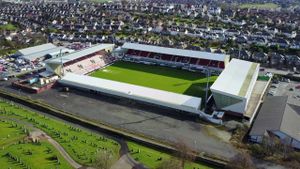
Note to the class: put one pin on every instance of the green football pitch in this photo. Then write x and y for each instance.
(157, 77)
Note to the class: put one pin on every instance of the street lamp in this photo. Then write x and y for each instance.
(208, 73)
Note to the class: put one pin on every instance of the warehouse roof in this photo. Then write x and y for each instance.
(81, 53)
(36, 49)
(277, 114)
(235, 78)
(52, 52)
(176, 52)
(159, 97)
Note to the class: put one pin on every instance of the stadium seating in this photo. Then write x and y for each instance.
(175, 59)
(88, 63)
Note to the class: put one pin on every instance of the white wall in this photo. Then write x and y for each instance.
(238, 107)
(252, 84)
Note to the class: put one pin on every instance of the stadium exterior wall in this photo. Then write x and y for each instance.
(225, 101)
(252, 84)
(233, 102)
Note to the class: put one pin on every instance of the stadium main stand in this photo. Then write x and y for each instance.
(177, 57)
(83, 61)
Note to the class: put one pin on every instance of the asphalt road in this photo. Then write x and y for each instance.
(146, 120)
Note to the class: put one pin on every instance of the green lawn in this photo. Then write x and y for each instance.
(81, 145)
(150, 157)
(259, 6)
(158, 77)
(8, 27)
(9, 133)
(40, 155)
(13, 148)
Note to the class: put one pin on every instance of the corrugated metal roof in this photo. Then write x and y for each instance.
(52, 51)
(36, 49)
(277, 114)
(269, 116)
(176, 52)
(81, 53)
(291, 121)
(235, 78)
(159, 97)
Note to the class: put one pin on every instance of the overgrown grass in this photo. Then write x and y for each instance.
(81, 145)
(152, 158)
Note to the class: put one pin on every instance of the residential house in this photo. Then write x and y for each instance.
(240, 54)
(232, 32)
(295, 45)
(260, 57)
(282, 43)
(241, 39)
(292, 60)
(289, 34)
(276, 59)
(257, 41)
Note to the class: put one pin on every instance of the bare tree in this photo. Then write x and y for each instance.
(184, 153)
(241, 161)
(104, 160)
(172, 163)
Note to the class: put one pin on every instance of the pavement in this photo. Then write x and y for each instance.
(284, 89)
(163, 125)
(125, 162)
(279, 72)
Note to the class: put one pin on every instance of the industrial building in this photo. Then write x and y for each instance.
(277, 117)
(42, 52)
(232, 89)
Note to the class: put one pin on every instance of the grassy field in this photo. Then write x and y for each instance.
(152, 158)
(8, 27)
(81, 145)
(9, 134)
(15, 153)
(158, 77)
(259, 6)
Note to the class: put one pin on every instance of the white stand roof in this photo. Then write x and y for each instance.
(154, 96)
(236, 78)
(80, 53)
(176, 52)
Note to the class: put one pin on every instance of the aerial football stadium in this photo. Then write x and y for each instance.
(167, 77)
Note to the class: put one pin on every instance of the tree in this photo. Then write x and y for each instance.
(241, 161)
(104, 160)
(184, 153)
(172, 163)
